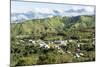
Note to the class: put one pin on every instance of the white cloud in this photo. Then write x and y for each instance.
(43, 10)
(90, 9)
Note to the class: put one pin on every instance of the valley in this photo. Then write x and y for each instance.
(53, 40)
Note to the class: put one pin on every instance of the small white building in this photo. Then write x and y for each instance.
(69, 52)
(81, 54)
(47, 46)
(43, 44)
(57, 47)
(78, 45)
(32, 41)
(61, 42)
(77, 55)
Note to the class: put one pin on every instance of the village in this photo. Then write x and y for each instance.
(59, 44)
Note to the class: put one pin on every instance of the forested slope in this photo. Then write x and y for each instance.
(77, 33)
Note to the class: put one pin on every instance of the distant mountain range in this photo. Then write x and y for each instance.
(19, 17)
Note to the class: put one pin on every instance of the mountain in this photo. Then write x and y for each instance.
(76, 11)
(20, 17)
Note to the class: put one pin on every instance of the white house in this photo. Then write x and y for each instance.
(41, 44)
(47, 46)
(69, 52)
(61, 42)
(57, 47)
(32, 41)
(81, 54)
(78, 45)
(77, 55)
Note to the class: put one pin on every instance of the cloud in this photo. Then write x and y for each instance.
(43, 10)
(90, 9)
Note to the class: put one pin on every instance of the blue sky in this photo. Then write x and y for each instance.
(20, 7)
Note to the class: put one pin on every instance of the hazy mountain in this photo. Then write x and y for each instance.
(19, 17)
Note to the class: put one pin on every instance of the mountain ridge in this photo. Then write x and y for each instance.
(19, 17)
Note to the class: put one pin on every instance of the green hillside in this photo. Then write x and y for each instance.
(76, 34)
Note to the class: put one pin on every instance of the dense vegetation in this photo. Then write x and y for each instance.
(75, 34)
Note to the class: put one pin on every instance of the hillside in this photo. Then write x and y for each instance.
(53, 40)
(54, 26)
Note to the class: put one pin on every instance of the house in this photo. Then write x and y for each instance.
(32, 41)
(44, 45)
(57, 42)
(60, 42)
(50, 42)
(69, 52)
(47, 46)
(77, 55)
(81, 54)
(78, 45)
(63, 42)
(41, 44)
(57, 47)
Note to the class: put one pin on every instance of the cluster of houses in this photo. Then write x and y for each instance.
(57, 43)
(47, 44)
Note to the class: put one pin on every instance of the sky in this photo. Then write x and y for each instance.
(21, 7)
